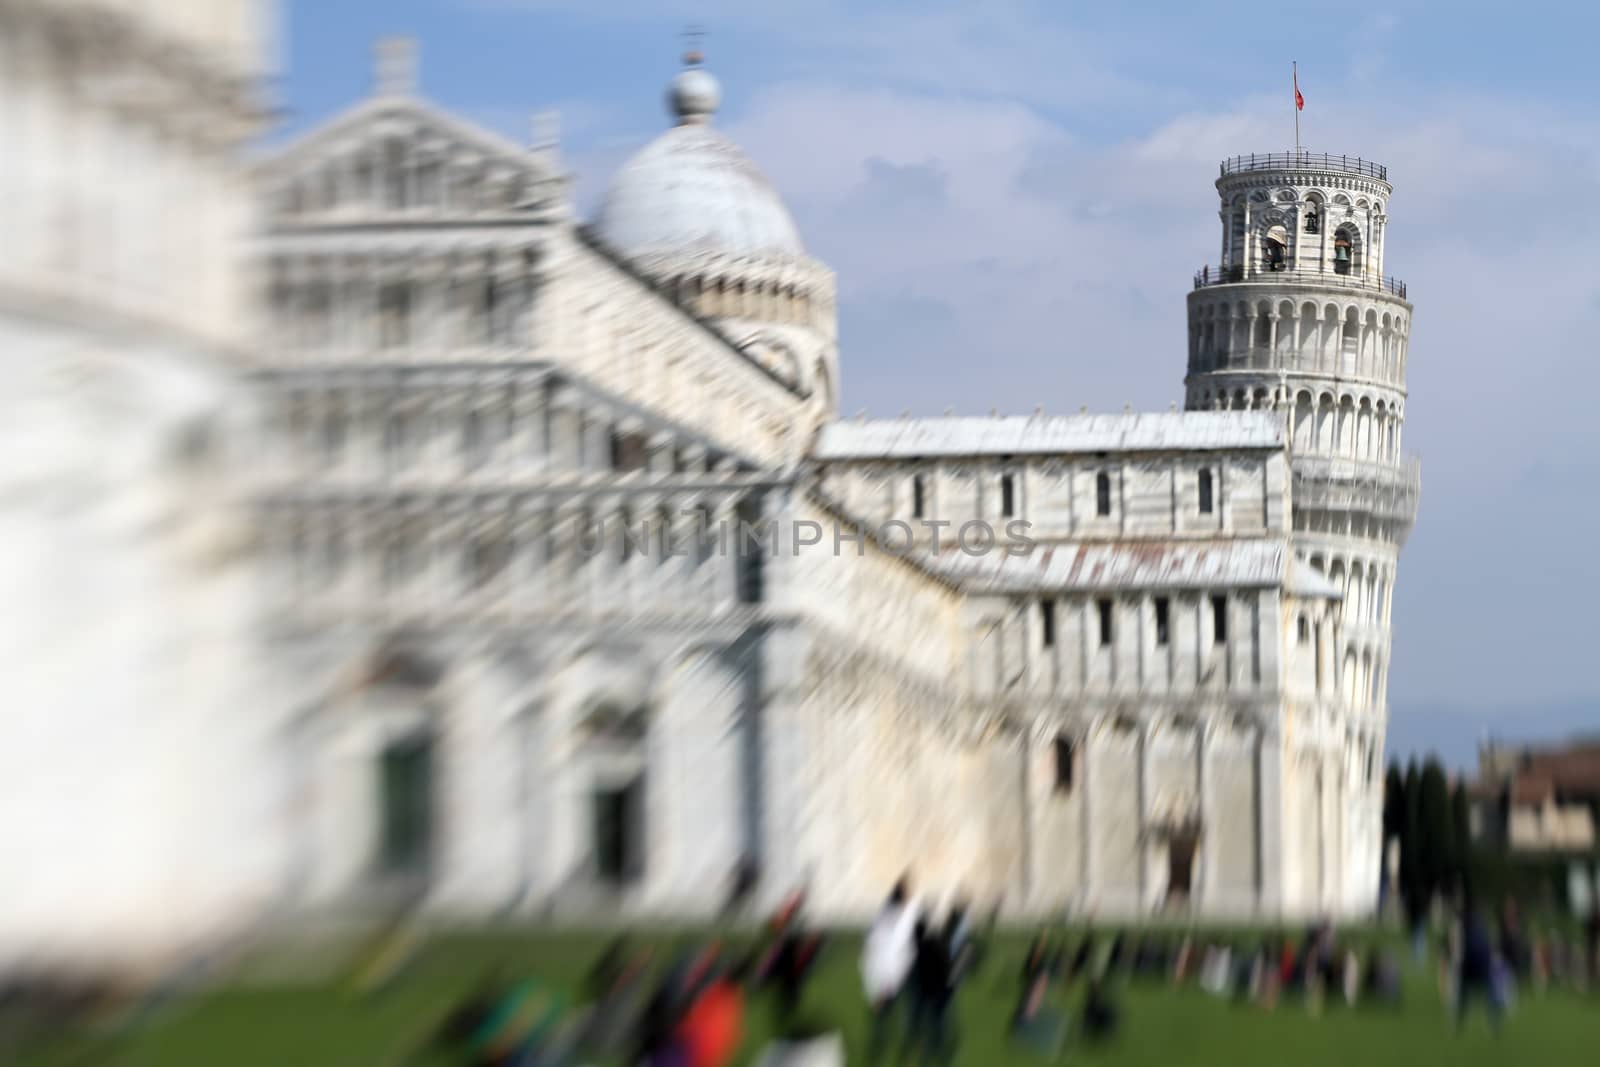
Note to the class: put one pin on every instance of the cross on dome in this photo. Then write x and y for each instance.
(694, 94)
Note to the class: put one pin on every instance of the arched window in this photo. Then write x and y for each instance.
(1343, 252)
(1102, 493)
(1205, 491)
(1274, 249)
(1313, 220)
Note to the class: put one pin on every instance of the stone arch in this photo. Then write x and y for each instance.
(1350, 335)
(1345, 443)
(1327, 419)
(822, 386)
(1304, 420)
(1364, 432)
(1347, 249)
(1307, 340)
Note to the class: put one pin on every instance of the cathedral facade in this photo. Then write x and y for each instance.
(571, 594)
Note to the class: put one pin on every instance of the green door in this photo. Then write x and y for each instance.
(406, 803)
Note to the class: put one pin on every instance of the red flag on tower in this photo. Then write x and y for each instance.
(1299, 101)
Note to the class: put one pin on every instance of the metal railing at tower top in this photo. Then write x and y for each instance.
(1308, 160)
(1207, 276)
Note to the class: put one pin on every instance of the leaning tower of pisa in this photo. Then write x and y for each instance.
(1299, 316)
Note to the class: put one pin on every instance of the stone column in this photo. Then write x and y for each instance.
(1204, 879)
(1269, 823)
(1143, 751)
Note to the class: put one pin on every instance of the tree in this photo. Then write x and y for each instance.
(1461, 830)
(1413, 885)
(1437, 848)
(1394, 804)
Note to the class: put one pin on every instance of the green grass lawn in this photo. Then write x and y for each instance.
(325, 1024)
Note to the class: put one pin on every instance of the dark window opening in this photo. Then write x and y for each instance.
(1313, 221)
(1341, 253)
(394, 315)
(751, 558)
(472, 438)
(1047, 622)
(1205, 491)
(333, 436)
(405, 784)
(1219, 618)
(918, 501)
(1066, 755)
(1104, 607)
(618, 824)
(1102, 494)
(1274, 254)
(629, 452)
(1305, 630)
(1163, 624)
(1008, 496)
(1317, 655)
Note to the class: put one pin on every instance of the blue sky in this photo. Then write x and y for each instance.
(1015, 196)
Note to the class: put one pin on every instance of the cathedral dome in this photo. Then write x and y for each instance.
(692, 190)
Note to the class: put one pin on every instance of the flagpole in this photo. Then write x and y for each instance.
(1295, 100)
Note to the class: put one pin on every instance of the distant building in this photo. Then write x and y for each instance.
(1538, 800)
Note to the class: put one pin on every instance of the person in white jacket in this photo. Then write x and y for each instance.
(886, 960)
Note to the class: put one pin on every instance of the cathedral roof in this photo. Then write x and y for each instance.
(692, 190)
(1039, 435)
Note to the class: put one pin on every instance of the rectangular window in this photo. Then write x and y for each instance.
(488, 311)
(918, 502)
(1205, 492)
(1305, 630)
(394, 315)
(1008, 496)
(1047, 622)
(1066, 756)
(1104, 607)
(1316, 652)
(1163, 614)
(333, 437)
(1102, 494)
(1219, 618)
(629, 452)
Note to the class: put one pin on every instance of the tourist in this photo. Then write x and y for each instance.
(1100, 1015)
(928, 1036)
(1474, 970)
(1513, 943)
(788, 962)
(743, 882)
(1083, 959)
(886, 961)
(713, 1024)
(1034, 1022)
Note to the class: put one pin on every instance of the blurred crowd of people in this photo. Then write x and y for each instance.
(686, 1009)
(693, 1008)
